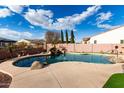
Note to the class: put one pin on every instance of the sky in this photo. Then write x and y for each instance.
(32, 21)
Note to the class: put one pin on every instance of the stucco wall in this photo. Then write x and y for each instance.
(90, 47)
(110, 37)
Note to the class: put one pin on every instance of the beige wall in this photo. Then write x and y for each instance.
(90, 47)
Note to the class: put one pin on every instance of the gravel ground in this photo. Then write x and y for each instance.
(5, 80)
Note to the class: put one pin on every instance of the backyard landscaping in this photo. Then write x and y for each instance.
(115, 81)
(5, 80)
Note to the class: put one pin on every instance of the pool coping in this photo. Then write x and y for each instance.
(39, 55)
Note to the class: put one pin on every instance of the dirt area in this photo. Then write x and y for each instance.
(5, 80)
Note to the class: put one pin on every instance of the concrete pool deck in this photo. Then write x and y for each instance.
(61, 75)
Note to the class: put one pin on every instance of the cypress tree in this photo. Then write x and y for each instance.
(66, 37)
(62, 37)
(72, 37)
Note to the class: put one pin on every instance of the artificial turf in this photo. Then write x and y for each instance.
(115, 81)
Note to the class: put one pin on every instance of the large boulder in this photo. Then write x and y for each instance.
(36, 65)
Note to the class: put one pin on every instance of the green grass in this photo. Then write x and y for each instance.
(115, 81)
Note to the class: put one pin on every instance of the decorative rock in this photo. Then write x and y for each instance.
(5, 80)
(120, 60)
(36, 65)
(114, 59)
(45, 63)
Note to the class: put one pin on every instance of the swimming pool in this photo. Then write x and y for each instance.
(89, 58)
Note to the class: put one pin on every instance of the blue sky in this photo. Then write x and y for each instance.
(32, 21)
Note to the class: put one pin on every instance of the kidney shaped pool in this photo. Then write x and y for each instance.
(89, 58)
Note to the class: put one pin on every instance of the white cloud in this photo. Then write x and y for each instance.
(11, 34)
(32, 27)
(70, 22)
(43, 18)
(4, 12)
(107, 26)
(102, 17)
(39, 17)
(20, 23)
(16, 8)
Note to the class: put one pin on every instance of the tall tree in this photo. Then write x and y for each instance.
(66, 36)
(62, 37)
(52, 37)
(72, 37)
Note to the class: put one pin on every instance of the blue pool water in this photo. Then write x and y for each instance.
(100, 59)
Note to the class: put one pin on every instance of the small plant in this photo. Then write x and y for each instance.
(116, 47)
(101, 52)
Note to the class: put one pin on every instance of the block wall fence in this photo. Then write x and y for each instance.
(89, 47)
